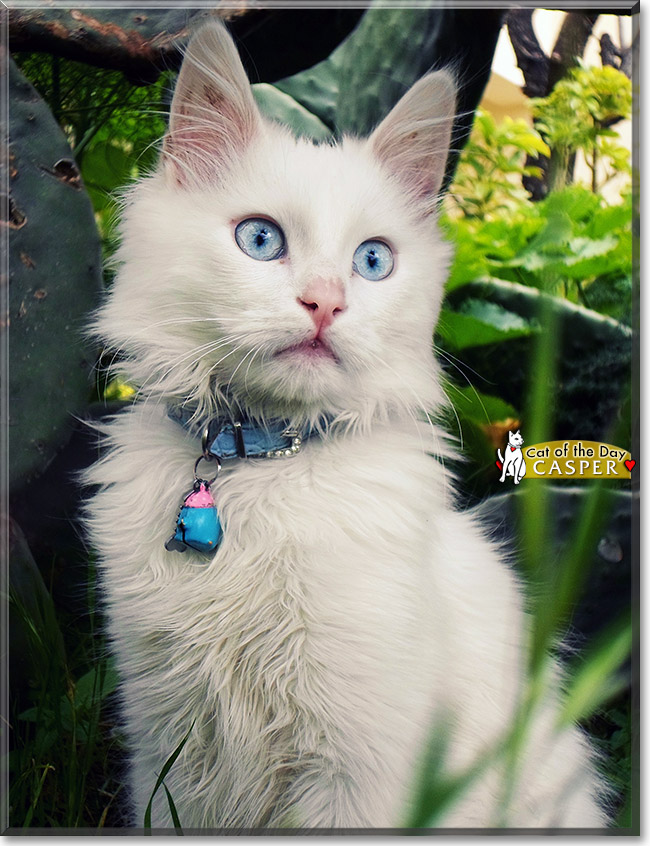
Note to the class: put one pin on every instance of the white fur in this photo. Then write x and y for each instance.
(349, 610)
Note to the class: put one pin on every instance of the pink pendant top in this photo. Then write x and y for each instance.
(199, 499)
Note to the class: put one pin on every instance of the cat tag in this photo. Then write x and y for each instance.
(198, 525)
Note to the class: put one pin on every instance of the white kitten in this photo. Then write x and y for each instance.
(348, 607)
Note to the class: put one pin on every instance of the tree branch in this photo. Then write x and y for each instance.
(144, 43)
(531, 59)
(570, 44)
(141, 45)
(619, 58)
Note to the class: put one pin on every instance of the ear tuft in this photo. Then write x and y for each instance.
(213, 113)
(413, 139)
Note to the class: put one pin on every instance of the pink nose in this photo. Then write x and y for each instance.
(323, 299)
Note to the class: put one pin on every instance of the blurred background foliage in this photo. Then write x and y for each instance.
(535, 332)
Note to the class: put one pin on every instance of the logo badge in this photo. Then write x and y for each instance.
(512, 463)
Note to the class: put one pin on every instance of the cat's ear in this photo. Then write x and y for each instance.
(413, 139)
(213, 114)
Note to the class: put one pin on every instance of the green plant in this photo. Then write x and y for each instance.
(573, 245)
(578, 115)
(62, 765)
(487, 183)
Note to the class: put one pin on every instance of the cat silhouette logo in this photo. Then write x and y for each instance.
(513, 464)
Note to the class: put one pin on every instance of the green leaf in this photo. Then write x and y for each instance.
(173, 811)
(557, 592)
(594, 681)
(169, 763)
(106, 164)
(90, 690)
(95, 685)
(32, 715)
(480, 407)
(436, 789)
(608, 219)
(575, 201)
(480, 323)
(558, 230)
(37, 795)
(587, 247)
(468, 263)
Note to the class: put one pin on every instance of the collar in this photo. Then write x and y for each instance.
(226, 438)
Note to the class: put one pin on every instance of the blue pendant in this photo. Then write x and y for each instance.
(198, 525)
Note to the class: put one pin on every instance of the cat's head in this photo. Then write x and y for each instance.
(515, 439)
(298, 279)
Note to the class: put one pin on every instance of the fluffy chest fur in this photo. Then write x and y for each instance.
(314, 616)
(340, 531)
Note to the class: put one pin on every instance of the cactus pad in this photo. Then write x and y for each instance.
(54, 281)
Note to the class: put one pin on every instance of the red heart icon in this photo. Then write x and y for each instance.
(512, 449)
(629, 464)
(498, 464)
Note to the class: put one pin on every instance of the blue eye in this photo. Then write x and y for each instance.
(260, 239)
(373, 260)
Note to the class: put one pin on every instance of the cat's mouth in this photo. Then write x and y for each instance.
(313, 348)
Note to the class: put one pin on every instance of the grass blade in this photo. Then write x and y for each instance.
(169, 763)
(37, 796)
(562, 588)
(435, 789)
(172, 811)
(594, 681)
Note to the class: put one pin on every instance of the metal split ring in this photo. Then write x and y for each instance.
(209, 457)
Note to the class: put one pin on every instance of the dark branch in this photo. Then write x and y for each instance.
(144, 43)
(531, 59)
(609, 52)
(139, 44)
(570, 45)
(615, 57)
